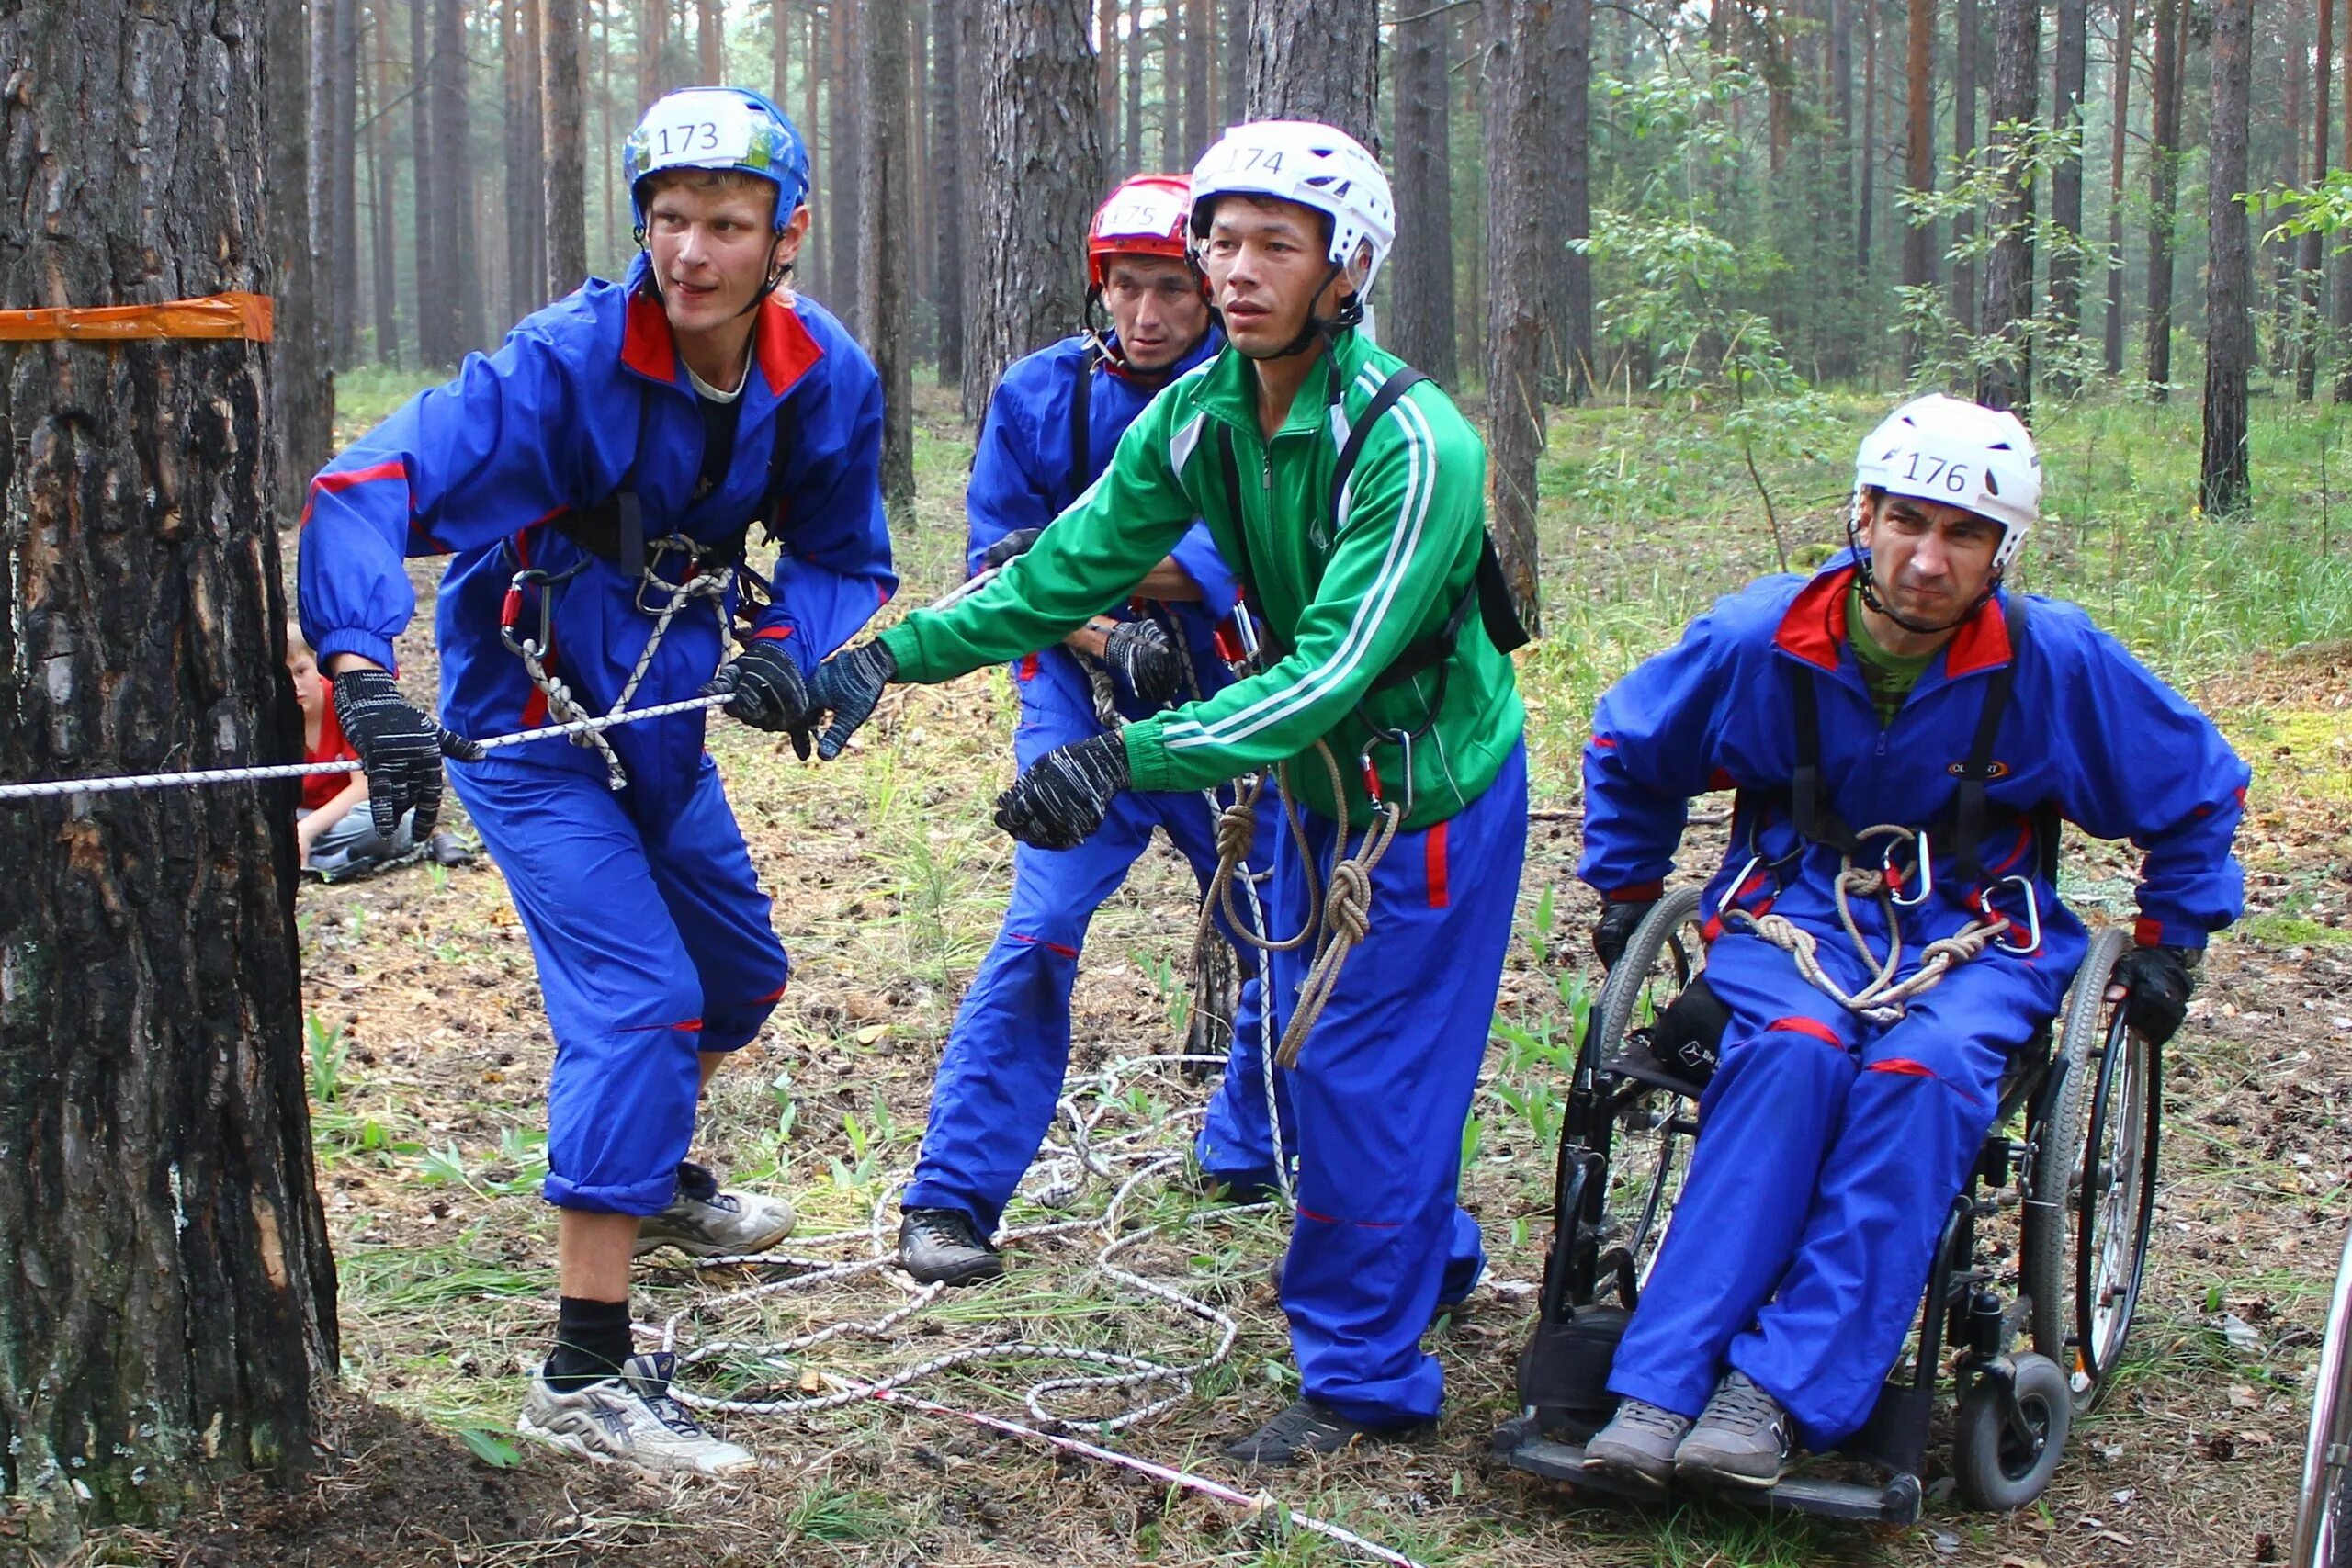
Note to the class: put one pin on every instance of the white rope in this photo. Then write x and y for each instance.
(202, 776)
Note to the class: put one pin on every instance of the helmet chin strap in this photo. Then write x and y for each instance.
(1866, 583)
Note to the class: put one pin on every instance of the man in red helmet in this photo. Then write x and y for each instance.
(1051, 427)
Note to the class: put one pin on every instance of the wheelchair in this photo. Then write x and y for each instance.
(2068, 1173)
(2324, 1505)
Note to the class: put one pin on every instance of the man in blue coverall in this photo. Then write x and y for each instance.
(617, 447)
(1051, 427)
(1902, 687)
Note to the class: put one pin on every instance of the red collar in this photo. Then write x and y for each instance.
(1815, 629)
(784, 350)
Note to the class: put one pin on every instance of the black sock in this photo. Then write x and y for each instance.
(592, 1340)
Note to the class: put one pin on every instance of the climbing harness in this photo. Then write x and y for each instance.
(1883, 998)
(1341, 901)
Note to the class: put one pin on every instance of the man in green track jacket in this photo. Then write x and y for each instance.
(1350, 500)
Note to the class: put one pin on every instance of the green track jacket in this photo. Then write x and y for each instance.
(1341, 606)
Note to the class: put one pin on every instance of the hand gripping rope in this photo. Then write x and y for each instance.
(1884, 999)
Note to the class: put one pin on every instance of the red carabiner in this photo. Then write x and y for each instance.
(1370, 778)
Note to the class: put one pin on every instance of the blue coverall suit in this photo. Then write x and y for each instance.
(1001, 1075)
(1831, 1147)
(653, 940)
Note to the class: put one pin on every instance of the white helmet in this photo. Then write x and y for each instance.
(1962, 454)
(1315, 165)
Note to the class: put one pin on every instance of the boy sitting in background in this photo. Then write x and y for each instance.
(336, 839)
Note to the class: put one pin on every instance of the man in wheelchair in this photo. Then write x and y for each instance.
(1904, 734)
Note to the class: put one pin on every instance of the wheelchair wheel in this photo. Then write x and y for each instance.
(2323, 1510)
(2010, 1436)
(1649, 1128)
(2091, 1182)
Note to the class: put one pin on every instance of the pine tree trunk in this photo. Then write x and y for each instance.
(2222, 485)
(563, 131)
(885, 178)
(524, 179)
(1919, 149)
(1233, 89)
(779, 50)
(530, 203)
(1041, 174)
(1515, 116)
(1573, 87)
(168, 1309)
(1197, 27)
(1136, 66)
(1866, 203)
(711, 41)
(820, 158)
(342, 143)
(653, 43)
(1419, 318)
(2311, 262)
(2163, 187)
(1316, 60)
(303, 413)
(843, 265)
(2073, 63)
(1172, 84)
(1963, 144)
(1107, 81)
(2008, 309)
(376, 88)
(2120, 138)
(948, 132)
(431, 308)
(448, 177)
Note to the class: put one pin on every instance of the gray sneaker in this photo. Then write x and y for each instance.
(1638, 1443)
(703, 1222)
(1743, 1437)
(629, 1420)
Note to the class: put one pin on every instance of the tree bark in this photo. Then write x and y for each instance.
(1516, 166)
(711, 41)
(1419, 317)
(1172, 84)
(376, 89)
(1233, 87)
(1866, 204)
(1963, 143)
(1316, 60)
(168, 1307)
(530, 202)
(2311, 262)
(1106, 85)
(949, 171)
(2223, 484)
(821, 65)
(779, 50)
(2163, 187)
(1919, 149)
(2008, 309)
(564, 133)
(1196, 81)
(341, 142)
(432, 306)
(523, 178)
(2119, 137)
(2073, 62)
(1041, 174)
(1574, 86)
(843, 266)
(448, 175)
(303, 413)
(886, 176)
(1135, 64)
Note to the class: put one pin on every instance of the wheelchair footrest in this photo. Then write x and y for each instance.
(1522, 1446)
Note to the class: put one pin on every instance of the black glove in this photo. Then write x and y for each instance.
(1141, 654)
(1615, 929)
(766, 690)
(847, 685)
(1059, 803)
(1004, 549)
(2159, 983)
(400, 748)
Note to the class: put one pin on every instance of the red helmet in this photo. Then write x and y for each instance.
(1145, 217)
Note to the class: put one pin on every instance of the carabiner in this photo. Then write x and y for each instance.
(2032, 914)
(1403, 741)
(1926, 868)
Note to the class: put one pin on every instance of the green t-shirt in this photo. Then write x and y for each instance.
(1889, 676)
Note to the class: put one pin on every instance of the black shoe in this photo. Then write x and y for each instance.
(1232, 1187)
(1307, 1427)
(944, 1247)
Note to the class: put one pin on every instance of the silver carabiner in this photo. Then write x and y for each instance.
(1403, 741)
(1926, 870)
(2032, 915)
(1731, 889)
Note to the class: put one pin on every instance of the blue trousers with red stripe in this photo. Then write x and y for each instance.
(1379, 1098)
(1000, 1077)
(1829, 1152)
(654, 948)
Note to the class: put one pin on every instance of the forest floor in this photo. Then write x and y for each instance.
(430, 1055)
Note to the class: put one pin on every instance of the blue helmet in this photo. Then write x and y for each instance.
(718, 128)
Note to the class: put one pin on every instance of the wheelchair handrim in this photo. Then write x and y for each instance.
(2111, 1244)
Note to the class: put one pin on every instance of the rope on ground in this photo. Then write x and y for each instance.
(1885, 998)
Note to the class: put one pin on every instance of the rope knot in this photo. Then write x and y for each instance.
(1347, 906)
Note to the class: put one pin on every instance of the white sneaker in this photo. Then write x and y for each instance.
(703, 1222)
(629, 1420)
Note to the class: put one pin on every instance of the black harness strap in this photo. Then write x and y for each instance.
(1082, 453)
(1961, 833)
